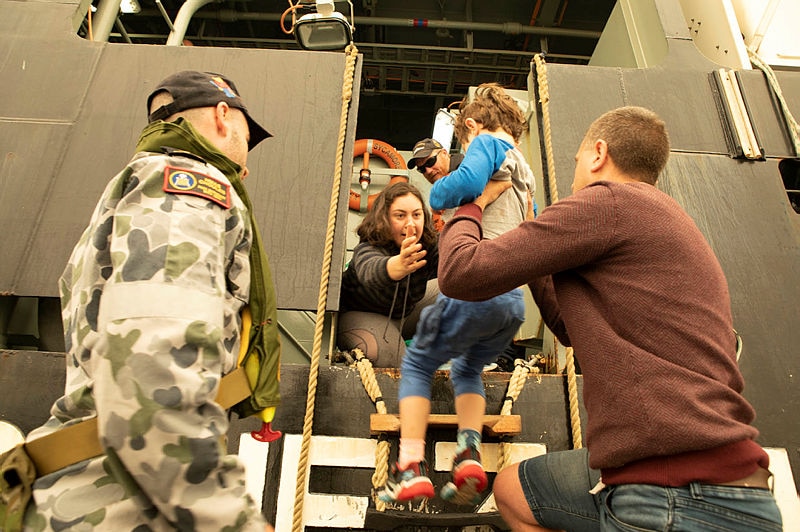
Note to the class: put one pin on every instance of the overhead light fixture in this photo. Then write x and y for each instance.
(130, 6)
(327, 29)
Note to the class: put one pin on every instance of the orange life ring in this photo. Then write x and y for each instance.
(365, 148)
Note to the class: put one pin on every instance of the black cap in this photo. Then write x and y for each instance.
(190, 89)
(423, 150)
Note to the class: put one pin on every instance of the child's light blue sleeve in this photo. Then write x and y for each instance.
(484, 157)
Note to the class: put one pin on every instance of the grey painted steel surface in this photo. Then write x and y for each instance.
(342, 408)
(53, 126)
(74, 114)
(740, 206)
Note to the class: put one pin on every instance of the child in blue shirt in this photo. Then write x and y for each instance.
(469, 334)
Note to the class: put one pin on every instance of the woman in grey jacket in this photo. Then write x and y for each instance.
(391, 276)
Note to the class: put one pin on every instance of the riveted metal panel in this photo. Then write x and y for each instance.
(741, 206)
(76, 112)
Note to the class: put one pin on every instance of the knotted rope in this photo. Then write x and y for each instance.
(544, 100)
(367, 374)
(794, 129)
(351, 53)
(574, 412)
(515, 384)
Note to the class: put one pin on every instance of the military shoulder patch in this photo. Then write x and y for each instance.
(183, 181)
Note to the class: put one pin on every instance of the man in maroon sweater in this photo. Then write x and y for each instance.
(622, 274)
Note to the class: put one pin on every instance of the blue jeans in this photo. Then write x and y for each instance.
(556, 486)
(471, 334)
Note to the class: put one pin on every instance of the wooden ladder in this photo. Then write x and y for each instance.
(493, 425)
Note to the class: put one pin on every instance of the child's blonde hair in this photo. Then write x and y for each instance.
(493, 109)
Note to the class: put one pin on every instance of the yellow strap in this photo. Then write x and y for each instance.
(247, 323)
(80, 441)
(233, 388)
(64, 447)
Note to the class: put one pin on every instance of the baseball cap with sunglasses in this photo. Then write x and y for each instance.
(423, 150)
(427, 164)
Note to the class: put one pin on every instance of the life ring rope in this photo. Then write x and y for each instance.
(367, 147)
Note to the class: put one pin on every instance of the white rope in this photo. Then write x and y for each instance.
(794, 129)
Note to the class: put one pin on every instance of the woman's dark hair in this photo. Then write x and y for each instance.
(375, 228)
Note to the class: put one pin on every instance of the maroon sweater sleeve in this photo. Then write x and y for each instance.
(568, 234)
(460, 277)
(544, 295)
(647, 307)
(472, 269)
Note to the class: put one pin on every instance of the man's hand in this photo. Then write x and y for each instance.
(491, 192)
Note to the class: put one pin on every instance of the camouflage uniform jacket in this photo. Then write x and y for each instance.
(150, 300)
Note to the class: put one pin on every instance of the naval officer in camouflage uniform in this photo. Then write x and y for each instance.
(151, 302)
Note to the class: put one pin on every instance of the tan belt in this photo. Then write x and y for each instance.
(80, 441)
(759, 479)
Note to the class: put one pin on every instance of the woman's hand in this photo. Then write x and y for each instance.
(411, 257)
(491, 192)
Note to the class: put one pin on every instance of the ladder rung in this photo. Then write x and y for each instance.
(493, 425)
